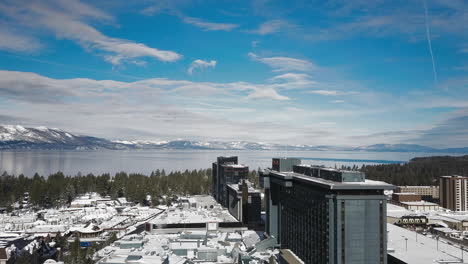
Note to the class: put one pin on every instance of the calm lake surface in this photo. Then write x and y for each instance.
(45, 162)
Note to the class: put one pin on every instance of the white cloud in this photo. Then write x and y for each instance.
(31, 87)
(160, 107)
(337, 101)
(324, 92)
(201, 64)
(68, 21)
(284, 63)
(295, 77)
(266, 93)
(164, 108)
(209, 26)
(270, 27)
(388, 18)
(294, 81)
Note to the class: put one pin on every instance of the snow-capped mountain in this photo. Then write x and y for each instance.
(38, 134)
(19, 137)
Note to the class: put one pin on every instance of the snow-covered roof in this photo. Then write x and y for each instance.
(420, 203)
(415, 248)
(178, 247)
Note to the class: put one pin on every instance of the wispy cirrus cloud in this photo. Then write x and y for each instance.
(271, 27)
(201, 64)
(69, 20)
(324, 92)
(284, 63)
(175, 105)
(339, 19)
(162, 104)
(294, 81)
(17, 42)
(337, 101)
(451, 132)
(32, 87)
(266, 93)
(209, 26)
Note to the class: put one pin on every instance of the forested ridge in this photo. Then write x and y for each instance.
(419, 171)
(58, 189)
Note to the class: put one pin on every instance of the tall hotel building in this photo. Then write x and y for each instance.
(226, 170)
(454, 192)
(326, 215)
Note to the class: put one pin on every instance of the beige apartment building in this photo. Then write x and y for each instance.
(432, 191)
(453, 192)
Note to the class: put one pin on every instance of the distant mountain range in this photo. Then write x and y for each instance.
(19, 137)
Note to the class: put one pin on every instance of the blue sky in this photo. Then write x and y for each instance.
(299, 72)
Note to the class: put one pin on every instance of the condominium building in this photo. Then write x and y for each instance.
(453, 192)
(245, 203)
(326, 215)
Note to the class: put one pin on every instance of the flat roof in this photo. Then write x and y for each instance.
(233, 165)
(235, 187)
(455, 176)
(328, 168)
(175, 215)
(415, 186)
(333, 185)
(433, 216)
(420, 203)
(179, 247)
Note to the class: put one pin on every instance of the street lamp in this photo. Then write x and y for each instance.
(461, 247)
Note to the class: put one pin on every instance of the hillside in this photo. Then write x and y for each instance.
(419, 171)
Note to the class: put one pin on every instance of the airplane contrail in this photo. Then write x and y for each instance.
(429, 42)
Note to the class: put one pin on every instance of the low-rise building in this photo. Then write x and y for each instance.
(182, 218)
(424, 191)
(420, 206)
(402, 216)
(200, 246)
(406, 197)
(195, 234)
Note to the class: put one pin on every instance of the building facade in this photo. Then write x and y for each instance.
(424, 191)
(325, 215)
(245, 203)
(453, 192)
(226, 170)
(406, 197)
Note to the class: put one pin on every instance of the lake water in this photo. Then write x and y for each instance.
(28, 162)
